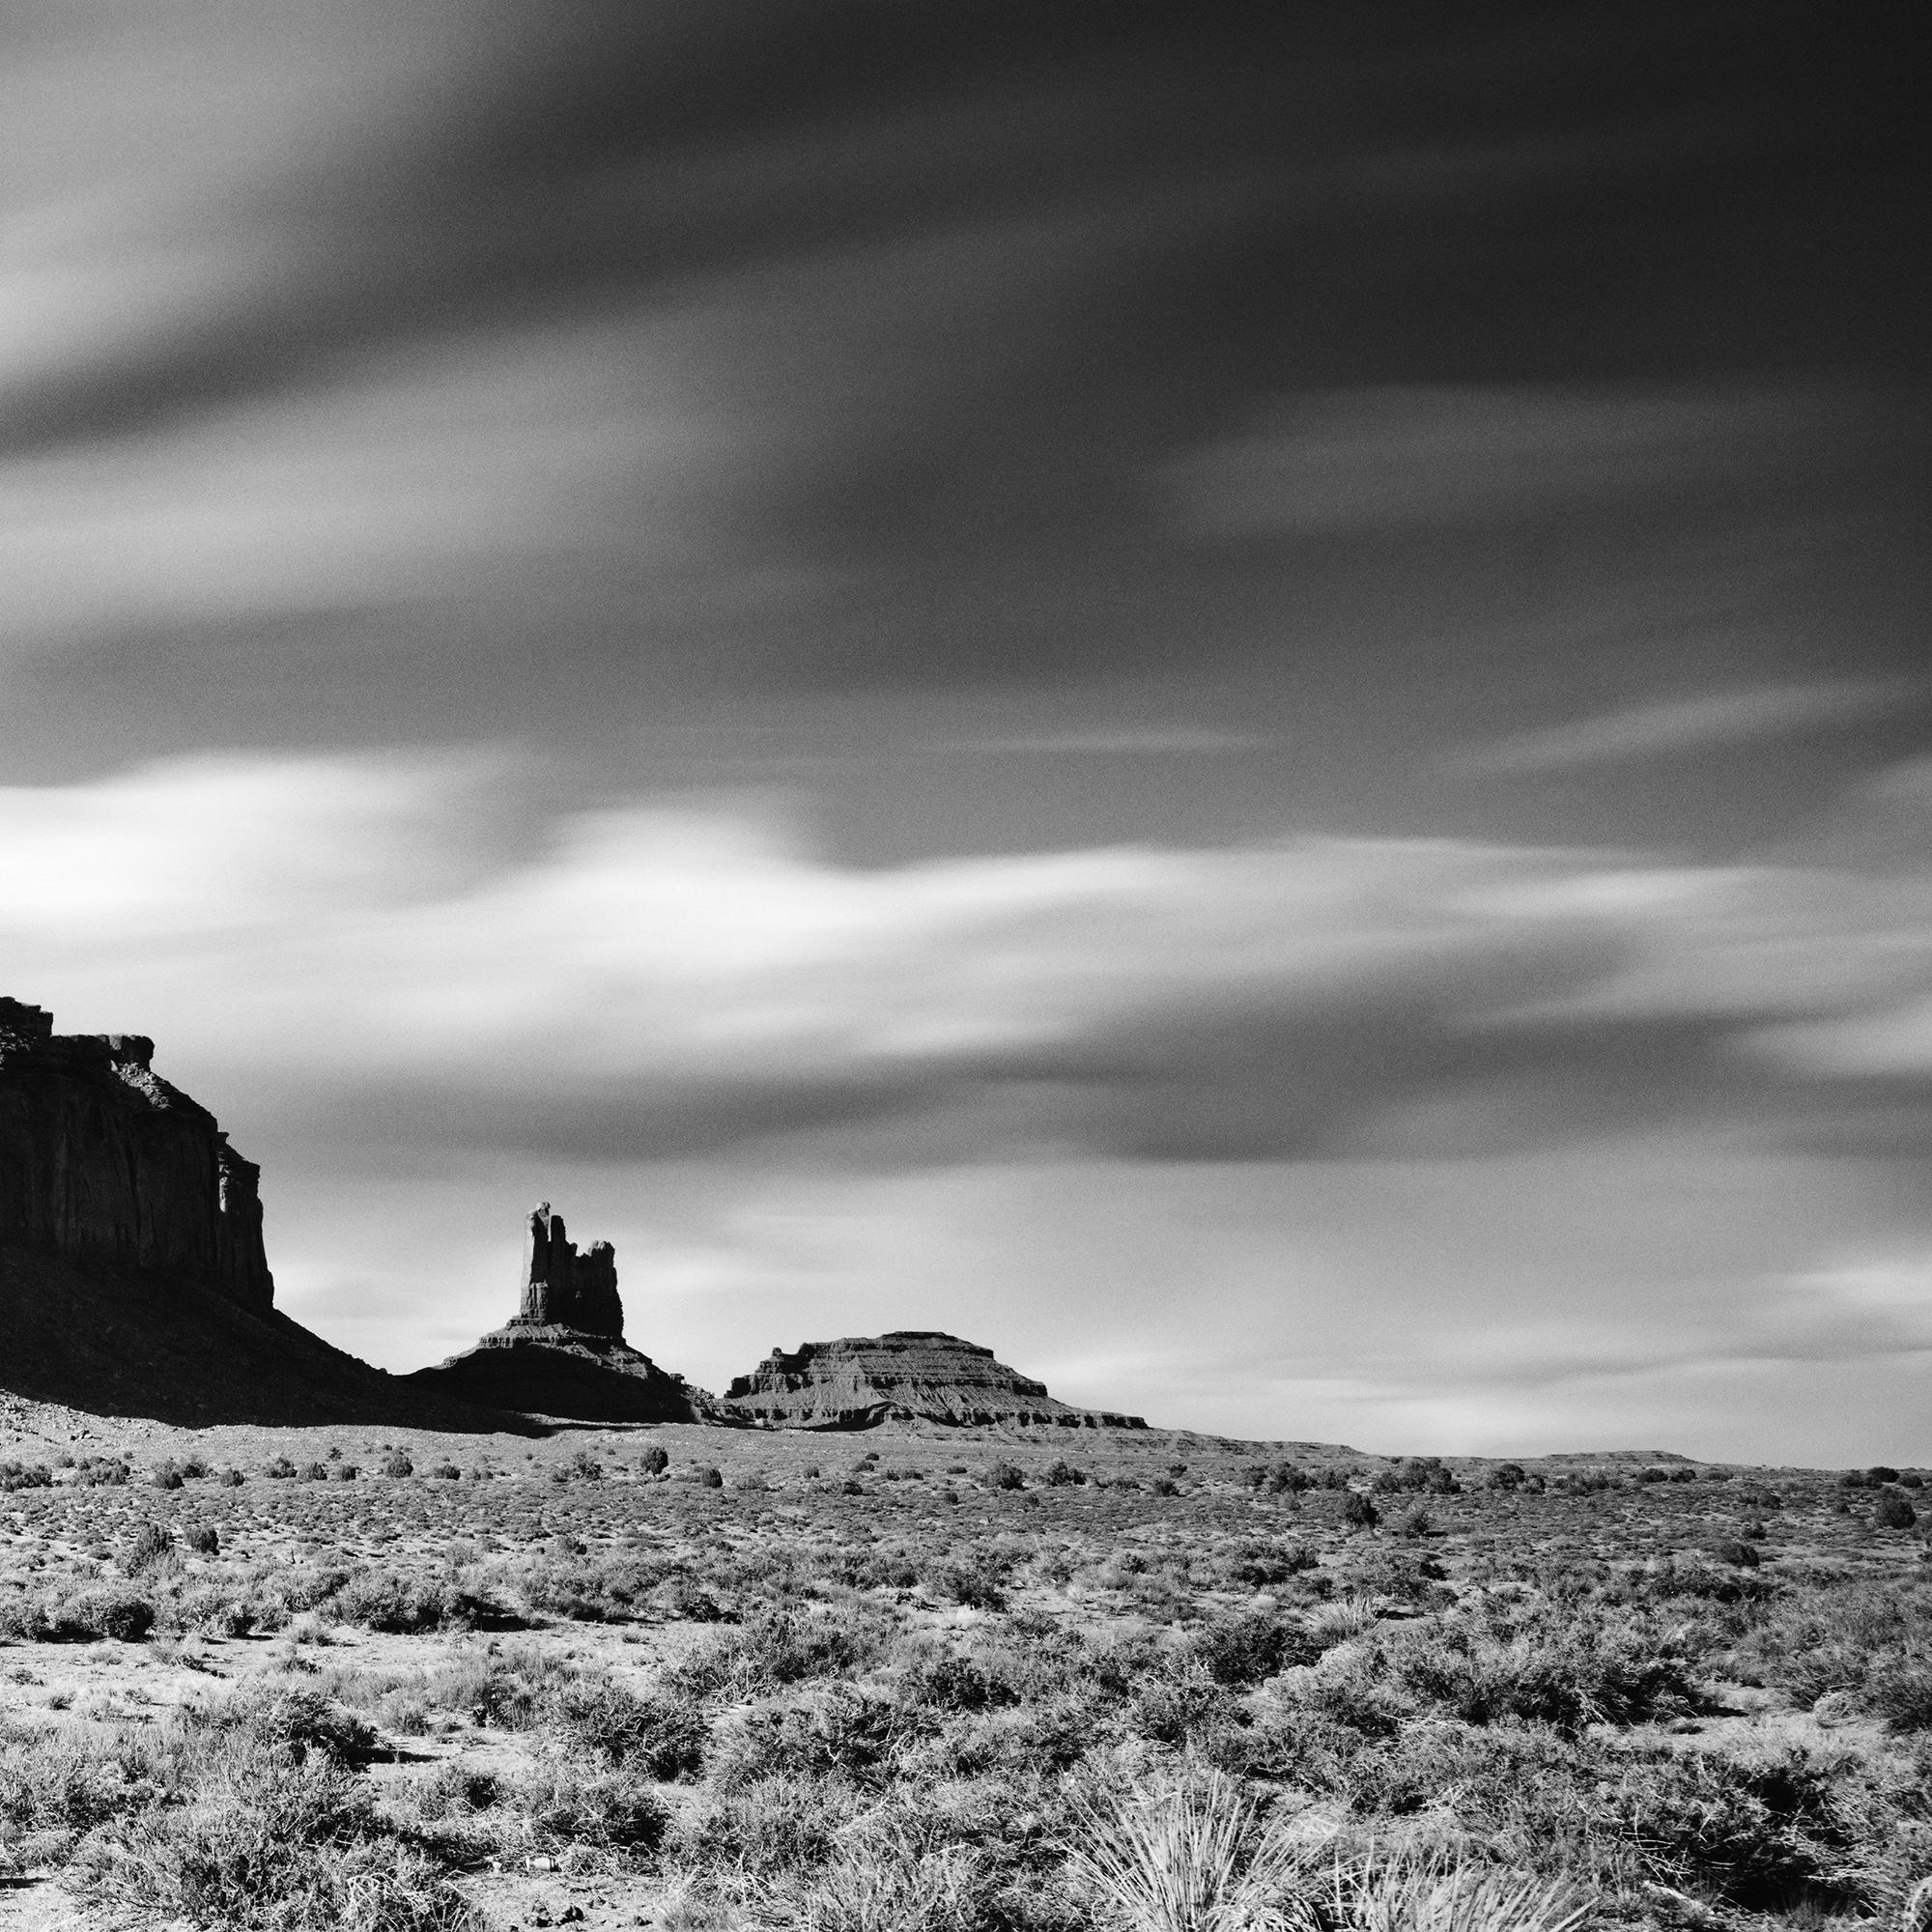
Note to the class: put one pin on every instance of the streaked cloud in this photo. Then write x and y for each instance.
(657, 976)
(1122, 742)
(1692, 724)
(1429, 453)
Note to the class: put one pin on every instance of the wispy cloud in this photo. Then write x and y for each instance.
(1695, 724)
(1129, 741)
(1342, 460)
(666, 975)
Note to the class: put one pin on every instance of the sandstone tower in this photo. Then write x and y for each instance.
(563, 1289)
(563, 1353)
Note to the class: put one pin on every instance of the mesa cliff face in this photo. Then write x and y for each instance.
(106, 1165)
(563, 1353)
(906, 1376)
(132, 1275)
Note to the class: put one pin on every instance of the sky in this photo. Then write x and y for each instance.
(1234, 697)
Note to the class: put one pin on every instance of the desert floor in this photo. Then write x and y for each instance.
(391, 1678)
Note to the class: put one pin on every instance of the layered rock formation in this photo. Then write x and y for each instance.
(132, 1275)
(908, 1376)
(563, 1353)
(105, 1164)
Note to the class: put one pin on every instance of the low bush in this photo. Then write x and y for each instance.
(151, 1545)
(272, 1842)
(1243, 1650)
(385, 1600)
(660, 1737)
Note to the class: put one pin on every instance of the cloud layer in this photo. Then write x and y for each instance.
(680, 977)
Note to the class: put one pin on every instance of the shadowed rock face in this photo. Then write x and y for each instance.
(563, 1289)
(907, 1375)
(563, 1353)
(132, 1276)
(106, 1165)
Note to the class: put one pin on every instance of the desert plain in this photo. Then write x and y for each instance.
(697, 1677)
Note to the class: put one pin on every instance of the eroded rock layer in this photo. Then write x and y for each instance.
(907, 1375)
(106, 1165)
(132, 1275)
(563, 1353)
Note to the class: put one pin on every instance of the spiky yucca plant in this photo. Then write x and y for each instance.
(1188, 1856)
(1917, 1914)
(1438, 1891)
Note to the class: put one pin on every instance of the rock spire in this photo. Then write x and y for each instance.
(563, 1289)
(563, 1353)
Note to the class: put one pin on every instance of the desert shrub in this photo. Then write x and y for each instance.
(280, 1467)
(315, 1472)
(888, 1876)
(203, 1539)
(773, 1828)
(1186, 1707)
(1894, 1511)
(151, 1545)
(1060, 1474)
(661, 1737)
(1900, 1692)
(1571, 1675)
(1005, 1476)
(607, 1809)
(290, 1719)
(101, 1473)
(211, 1608)
(1165, 1485)
(1262, 1563)
(946, 1682)
(1725, 1580)
(511, 1688)
(166, 1476)
(1358, 1512)
(447, 1472)
(54, 1788)
(776, 1648)
(272, 1843)
(230, 1479)
(655, 1460)
(841, 1732)
(1245, 1649)
(381, 1600)
(680, 1598)
(972, 1585)
(85, 1614)
(1748, 1830)
(397, 1465)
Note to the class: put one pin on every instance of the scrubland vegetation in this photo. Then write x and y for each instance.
(699, 1679)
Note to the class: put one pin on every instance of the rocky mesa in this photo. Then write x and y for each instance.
(563, 1353)
(133, 1279)
(911, 1374)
